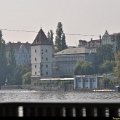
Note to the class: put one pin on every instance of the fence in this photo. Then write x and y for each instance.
(60, 109)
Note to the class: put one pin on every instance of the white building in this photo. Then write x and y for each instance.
(86, 82)
(22, 52)
(41, 56)
(66, 60)
(47, 64)
(106, 39)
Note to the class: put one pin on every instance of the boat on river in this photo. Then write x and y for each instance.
(104, 90)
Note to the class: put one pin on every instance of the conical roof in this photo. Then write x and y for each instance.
(41, 39)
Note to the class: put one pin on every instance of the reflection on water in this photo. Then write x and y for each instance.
(57, 96)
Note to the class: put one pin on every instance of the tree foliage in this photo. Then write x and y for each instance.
(84, 68)
(11, 66)
(63, 42)
(118, 43)
(106, 67)
(50, 36)
(2, 60)
(104, 53)
(105, 82)
(60, 42)
(117, 65)
(26, 78)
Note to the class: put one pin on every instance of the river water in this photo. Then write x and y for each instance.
(19, 95)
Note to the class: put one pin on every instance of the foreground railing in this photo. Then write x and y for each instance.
(60, 109)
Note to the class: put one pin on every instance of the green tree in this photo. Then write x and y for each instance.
(2, 60)
(60, 43)
(106, 67)
(104, 52)
(84, 68)
(26, 78)
(11, 66)
(117, 66)
(105, 82)
(63, 42)
(117, 42)
(50, 36)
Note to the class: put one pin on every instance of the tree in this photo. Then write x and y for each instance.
(11, 66)
(117, 43)
(63, 42)
(2, 60)
(20, 71)
(104, 52)
(60, 42)
(105, 82)
(106, 67)
(84, 68)
(117, 66)
(26, 78)
(50, 36)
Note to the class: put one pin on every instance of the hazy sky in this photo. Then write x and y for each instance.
(77, 16)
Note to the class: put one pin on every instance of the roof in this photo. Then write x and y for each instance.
(106, 33)
(17, 45)
(41, 39)
(78, 50)
(94, 41)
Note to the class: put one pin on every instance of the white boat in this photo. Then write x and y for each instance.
(104, 90)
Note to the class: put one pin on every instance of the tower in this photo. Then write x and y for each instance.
(41, 56)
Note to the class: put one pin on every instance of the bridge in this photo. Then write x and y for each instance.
(55, 109)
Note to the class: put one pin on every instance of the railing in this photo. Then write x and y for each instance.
(60, 109)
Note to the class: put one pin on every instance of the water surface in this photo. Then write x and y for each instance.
(57, 96)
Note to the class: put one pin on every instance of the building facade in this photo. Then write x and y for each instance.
(22, 52)
(66, 60)
(41, 56)
(47, 64)
(106, 39)
(86, 82)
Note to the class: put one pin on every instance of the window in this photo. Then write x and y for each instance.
(46, 66)
(35, 73)
(46, 59)
(35, 50)
(42, 51)
(46, 73)
(35, 58)
(35, 66)
(41, 65)
(46, 50)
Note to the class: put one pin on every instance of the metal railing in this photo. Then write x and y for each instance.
(60, 109)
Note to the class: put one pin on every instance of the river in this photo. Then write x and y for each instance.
(20, 95)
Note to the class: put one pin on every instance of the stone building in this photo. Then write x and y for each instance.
(106, 39)
(47, 64)
(22, 52)
(41, 56)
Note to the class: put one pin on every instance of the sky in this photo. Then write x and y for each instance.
(86, 17)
